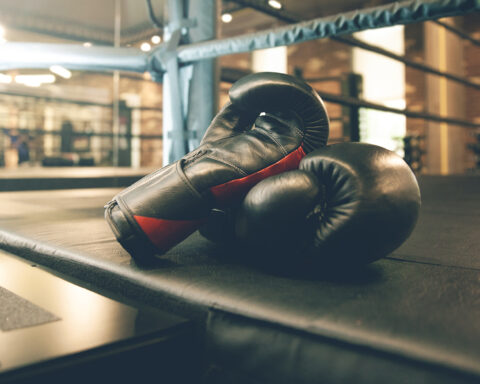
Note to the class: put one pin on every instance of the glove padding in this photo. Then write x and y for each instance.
(165, 207)
(347, 204)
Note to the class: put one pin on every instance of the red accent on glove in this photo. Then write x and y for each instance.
(234, 190)
(164, 234)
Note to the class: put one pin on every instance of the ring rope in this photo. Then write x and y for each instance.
(344, 23)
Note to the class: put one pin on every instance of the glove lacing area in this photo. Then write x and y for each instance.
(261, 125)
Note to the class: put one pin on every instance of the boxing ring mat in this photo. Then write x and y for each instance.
(413, 316)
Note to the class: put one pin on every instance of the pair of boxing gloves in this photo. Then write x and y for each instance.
(263, 177)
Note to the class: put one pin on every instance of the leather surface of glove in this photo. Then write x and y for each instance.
(347, 204)
(270, 123)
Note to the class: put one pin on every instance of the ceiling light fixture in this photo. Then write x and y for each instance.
(156, 39)
(145, 47)
(5, 79)
(61, 71)
(227, 17)
(275, 4)
(87, 44)
(34, 80)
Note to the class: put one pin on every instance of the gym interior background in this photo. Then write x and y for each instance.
(57, 117)
(96, 94)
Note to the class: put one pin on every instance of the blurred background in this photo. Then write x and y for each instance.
(64, 118)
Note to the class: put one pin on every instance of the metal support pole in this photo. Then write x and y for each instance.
(189, 93)
(203, 83)
(174, 145)
(116, 85)
(351, 87)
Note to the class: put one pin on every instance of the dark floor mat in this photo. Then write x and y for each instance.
(16, 312)
(417, 308)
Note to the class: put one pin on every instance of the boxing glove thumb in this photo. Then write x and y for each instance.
(348, 204)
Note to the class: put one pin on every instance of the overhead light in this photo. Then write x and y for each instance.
(87, 44)
(275, 4)
(34, 80)
(156, 39)
(5, 79)
(227, 17)
(145, 47)
(61, 71)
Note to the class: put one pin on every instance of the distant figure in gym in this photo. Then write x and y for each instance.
(23, 148)
(66, 136)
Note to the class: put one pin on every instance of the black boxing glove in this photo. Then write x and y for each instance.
(165, 207)
(347, 204)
